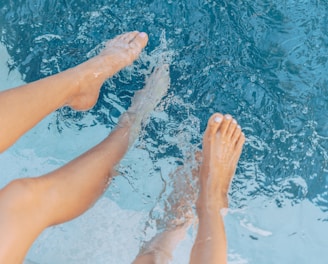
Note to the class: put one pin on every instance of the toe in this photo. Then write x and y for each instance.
(140, 39)
(213, 124)
(236, 134)
(225, 124)
(232, 128)
(240, 142)
(129, 36)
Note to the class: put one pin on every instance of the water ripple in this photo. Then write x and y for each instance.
(263, 62)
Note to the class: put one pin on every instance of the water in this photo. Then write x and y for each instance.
(264, 62)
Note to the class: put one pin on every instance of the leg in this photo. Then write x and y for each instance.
(175, 222)
(28, 206)
(160, 248)
(23, 107)
(222, 146)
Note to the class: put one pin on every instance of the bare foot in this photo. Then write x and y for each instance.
(222, 145)
(160, 248)
(146, 99)
(90, 75)
(174, 224)
(122, 51)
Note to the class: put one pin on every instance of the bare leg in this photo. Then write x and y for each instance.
(28, 206)
(23, 107)
(175, 222)
(222, 146)
(160, 248)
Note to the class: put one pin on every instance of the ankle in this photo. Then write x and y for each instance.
(208, 204)
(91, 70)
(203, 207)
(84, 79)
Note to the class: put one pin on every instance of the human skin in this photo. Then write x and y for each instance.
(222, 145)
(23, 107)
(29, 205)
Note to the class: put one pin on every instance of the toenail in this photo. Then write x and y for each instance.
(239, 127)
(234, 121)
(217, 119)
(228, 117)
(143, 34)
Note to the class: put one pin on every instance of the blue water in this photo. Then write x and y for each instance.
(264, 62)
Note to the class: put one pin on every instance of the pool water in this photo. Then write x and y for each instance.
(264, 62)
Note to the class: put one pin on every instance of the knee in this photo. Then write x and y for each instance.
(20, 221)
(18, 195)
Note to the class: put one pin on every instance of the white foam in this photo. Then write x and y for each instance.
(107, 233)
(253, 229)
(8, 78)
(47, 37)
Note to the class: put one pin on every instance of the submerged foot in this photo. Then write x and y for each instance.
(222, 145)
(160, 248)
(146, 99)
(117, 54)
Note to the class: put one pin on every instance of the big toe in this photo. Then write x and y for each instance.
(128, 37)
(213, 124)
(140, 40)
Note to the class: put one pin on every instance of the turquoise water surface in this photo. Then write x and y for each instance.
(264, 62)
